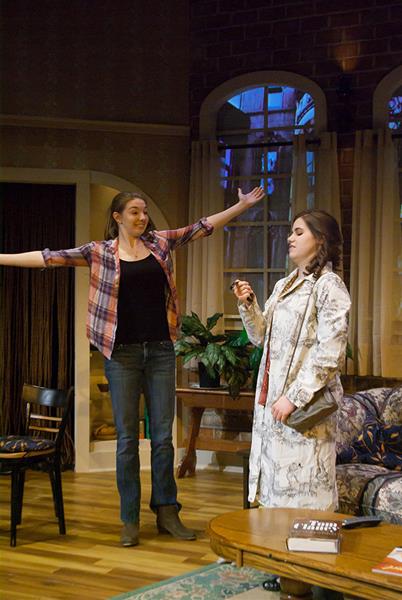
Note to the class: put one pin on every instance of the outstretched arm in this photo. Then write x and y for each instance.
(245, 202)
(25, 259)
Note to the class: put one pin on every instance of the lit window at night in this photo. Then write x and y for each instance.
(256, 242)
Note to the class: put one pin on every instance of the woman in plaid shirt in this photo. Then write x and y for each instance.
(133, 318)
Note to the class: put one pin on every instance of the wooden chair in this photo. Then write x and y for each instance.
(46, 414)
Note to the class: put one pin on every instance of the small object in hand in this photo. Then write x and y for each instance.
(355, 522)
(249, 298)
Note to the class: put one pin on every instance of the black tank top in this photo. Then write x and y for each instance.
(141, 308)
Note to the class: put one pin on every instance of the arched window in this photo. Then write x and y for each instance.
(387, 112)
(254, 118)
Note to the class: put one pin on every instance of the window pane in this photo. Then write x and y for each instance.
(249, 100)
(272, 279)
(277, 245)
(285, 159)
(242, 111)
(255, 280)
(244, 247)
(395, 110)
(304, 113)
(256, 212)
(245, 161)
(279, 200)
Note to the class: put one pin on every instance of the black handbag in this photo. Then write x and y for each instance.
(321, 406)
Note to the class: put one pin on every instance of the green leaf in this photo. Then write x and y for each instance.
(230, 354)
(193, 354)
(212, 321)
(182, 347)
(239, 340)
(255, 358)
(192, 326)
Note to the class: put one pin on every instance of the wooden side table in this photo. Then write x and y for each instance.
(198, 399)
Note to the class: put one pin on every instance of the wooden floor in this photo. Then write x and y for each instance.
(88, 562)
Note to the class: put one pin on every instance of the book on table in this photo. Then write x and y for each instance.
(392, 563)
(315, 535)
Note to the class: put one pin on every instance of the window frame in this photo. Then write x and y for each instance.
(220, 95)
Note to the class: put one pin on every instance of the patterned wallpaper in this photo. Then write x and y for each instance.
(119, 60)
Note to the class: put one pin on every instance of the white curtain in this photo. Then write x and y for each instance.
(376, 320)
(205, 256)
(299, 181)
(326, 192)
(326, 189)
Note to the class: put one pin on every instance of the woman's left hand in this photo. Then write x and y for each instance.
(252, 197)
(282, 408)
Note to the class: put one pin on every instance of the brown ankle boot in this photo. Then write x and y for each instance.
(129, 534)
(168, 521)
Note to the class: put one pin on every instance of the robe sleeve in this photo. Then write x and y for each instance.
(255, 320)
(327, 353)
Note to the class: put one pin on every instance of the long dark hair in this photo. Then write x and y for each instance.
(325, 229)
(118, 204)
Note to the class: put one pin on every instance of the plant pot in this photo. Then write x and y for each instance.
(205, 380)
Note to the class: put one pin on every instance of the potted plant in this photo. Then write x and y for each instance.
(226, 355)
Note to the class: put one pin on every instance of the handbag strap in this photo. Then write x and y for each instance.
(297, 339)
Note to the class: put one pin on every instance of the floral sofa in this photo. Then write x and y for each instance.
(369, 453)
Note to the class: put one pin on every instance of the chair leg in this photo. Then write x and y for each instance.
(58, 497)
(21, 484)
(15, 508)
(52, 483)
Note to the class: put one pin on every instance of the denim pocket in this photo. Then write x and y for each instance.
(166, 344)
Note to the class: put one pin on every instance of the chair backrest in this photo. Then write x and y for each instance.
(51, 420)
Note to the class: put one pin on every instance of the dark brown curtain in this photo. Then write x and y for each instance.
(36, 306)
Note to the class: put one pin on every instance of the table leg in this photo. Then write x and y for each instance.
(189, 460)
(294, 590)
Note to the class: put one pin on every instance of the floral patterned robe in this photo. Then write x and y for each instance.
(288, 468)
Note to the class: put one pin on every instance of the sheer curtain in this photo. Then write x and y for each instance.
(326, 189)
(326, 194)
(205, 256)
(299, 181)
(376, 320)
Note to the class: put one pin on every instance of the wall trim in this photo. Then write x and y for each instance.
(161, 129)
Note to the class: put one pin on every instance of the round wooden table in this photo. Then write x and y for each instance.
(257, 538)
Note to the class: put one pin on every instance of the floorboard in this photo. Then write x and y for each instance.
(88, 562)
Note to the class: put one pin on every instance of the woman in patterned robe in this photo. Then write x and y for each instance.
(288, 468)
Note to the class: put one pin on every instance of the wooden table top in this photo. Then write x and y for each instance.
(257, 537)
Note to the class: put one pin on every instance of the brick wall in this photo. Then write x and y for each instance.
(320, 39)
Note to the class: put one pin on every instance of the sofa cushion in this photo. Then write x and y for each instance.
(392, 411)
(369, 490)
(353, 412)
(377, 444)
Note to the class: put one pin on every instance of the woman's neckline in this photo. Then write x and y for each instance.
(135, 259)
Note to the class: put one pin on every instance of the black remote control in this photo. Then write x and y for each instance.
(355, 522)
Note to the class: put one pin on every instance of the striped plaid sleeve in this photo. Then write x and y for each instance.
(74, 257)
(179, 237)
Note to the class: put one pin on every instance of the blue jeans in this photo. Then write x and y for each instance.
(133, 368)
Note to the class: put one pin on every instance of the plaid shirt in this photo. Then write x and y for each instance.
(103, 261)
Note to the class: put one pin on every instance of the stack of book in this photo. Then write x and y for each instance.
(315, 535)
(391, 565)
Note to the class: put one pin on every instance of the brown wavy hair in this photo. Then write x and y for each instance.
(325, 229)
(118, 204)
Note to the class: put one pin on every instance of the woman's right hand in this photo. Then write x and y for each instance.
(243, 291)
